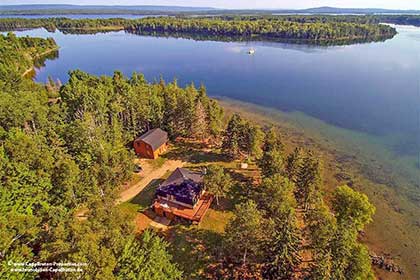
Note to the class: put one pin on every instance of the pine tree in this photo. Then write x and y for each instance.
(272, 161)
(199, 129)
(322, 228)
(252, 140)
(214, 119)
(147, 259)
(322, 266)
(244, 233)
(294, 164)
(276, 196)
(272, 141)
(322, 225)
(233, 137)
(283, 253)
(309, 180)
(217, 182)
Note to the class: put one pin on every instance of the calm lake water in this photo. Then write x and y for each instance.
(369, 88)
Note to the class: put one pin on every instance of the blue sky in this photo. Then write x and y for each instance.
(248, 4)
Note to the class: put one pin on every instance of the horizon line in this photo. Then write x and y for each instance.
(208, 7)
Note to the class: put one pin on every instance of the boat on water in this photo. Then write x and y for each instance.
(251, 51)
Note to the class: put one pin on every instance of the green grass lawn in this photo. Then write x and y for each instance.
(144, 199)
(135, 179)
(158, 163)
(215, 220)
(194, 249)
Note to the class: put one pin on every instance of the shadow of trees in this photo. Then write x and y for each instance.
(145, 198)
(195, 249)
(195, 153)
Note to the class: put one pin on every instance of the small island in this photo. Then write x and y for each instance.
(320, 30)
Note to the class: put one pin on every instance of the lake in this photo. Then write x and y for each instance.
(370, 89)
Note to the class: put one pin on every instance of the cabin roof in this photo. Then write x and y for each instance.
(155, 138)
(185, 185)
(180, 175)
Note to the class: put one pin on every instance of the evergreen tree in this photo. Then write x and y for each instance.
(199, 128)
(272, 160)
(272, 163)
(282, 254)
(147, 259)
(217, 182)
(360, 264)
(322, 228)
(253, 140)
(322, 266)
(294, 163)
(276, 196)
(322, 225)
(272, 141)
(244, 233)
(214, 119)
(309, 181)
(233, 137)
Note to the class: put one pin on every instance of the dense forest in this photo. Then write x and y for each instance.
(361, 19)
(299, 28)
(66, 146)
(63, 147)
(399, 19)
(20, 55)
(266, 28)
(283, 227)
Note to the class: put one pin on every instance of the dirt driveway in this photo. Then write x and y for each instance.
(149, 175)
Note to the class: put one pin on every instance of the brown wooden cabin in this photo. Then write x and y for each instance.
(151, 144)
(182, 195)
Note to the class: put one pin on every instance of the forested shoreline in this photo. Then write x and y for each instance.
(265, 29)
(297, 28)
(67, 146)
(20, 55)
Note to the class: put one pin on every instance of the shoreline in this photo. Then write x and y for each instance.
(38, 56)
(394, 230)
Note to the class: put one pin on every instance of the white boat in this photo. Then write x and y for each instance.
(251, 51)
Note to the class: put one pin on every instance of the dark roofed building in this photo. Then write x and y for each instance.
(182, 174)
(182, 195)
(151, 144)
(183, 187)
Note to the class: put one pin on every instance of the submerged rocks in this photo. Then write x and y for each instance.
(385, 263)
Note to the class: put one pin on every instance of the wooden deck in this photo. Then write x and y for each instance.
(193, 214)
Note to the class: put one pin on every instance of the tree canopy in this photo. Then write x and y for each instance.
(312, 29)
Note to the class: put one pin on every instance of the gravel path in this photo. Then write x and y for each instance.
(149, 175)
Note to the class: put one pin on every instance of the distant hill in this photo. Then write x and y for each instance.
(47, 9)
(333, 10)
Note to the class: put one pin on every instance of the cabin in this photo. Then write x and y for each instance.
(151, 144)
(182, 196)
